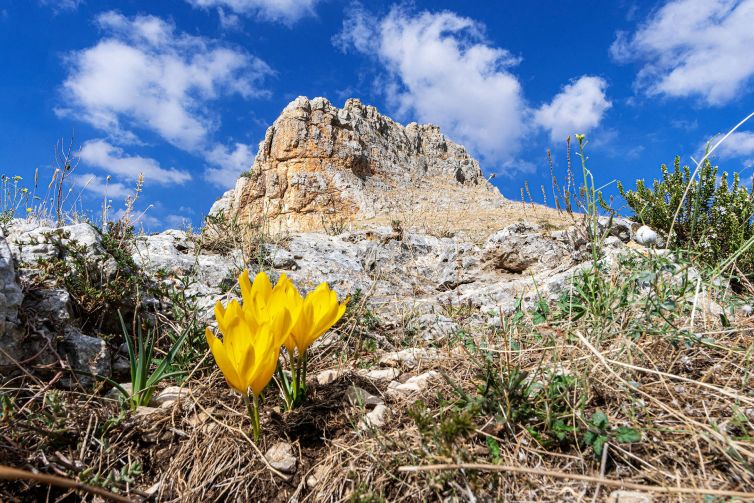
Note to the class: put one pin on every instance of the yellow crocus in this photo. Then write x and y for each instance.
(252, 336)
(248, 352)
(263, 301)
(319, 311)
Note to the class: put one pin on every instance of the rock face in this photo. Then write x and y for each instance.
(318, 163)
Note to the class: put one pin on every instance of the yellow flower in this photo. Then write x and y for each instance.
(263, 302)
(319, 311)
(252, 335)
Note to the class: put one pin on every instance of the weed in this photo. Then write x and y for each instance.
(361, 323)
(12, 198)
(141, 359)
(599, 431)
(715, 218)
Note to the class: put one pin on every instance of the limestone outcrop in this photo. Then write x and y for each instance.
(321, 166)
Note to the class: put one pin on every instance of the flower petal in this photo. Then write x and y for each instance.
(221, 358)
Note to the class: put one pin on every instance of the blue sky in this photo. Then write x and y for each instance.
(183, 90)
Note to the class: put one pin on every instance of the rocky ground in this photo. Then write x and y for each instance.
(406, 277)
(403, 382)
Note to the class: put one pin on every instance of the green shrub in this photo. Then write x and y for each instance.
(714, 220)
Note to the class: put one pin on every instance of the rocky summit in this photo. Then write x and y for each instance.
(321, 166)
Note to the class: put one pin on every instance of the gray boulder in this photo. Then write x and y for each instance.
(522, 246)
(86, 354)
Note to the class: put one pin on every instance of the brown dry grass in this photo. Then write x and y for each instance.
(474, 223)
(690, 399)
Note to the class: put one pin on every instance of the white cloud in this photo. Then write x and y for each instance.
(443, 71)
(101, 186)
(145, 75)
(228, 21)
(693, 48)
(177, 221)
(61, 5)
(286, 11)
(576, 109)
(738, 144)
(226, 165)
(111, 159)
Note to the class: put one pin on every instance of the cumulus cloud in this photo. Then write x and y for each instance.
(739, 145)
(101, 154)
(576, 109)
(145, 75)
(442, 70)
(285, 11)
(226, 165)
(697, 48)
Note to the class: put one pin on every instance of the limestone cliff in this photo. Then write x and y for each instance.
(318, 162)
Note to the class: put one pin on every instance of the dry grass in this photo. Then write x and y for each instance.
(685, 387)
(476, 224)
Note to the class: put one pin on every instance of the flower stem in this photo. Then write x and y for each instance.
(285, 388)
(252, 408)
(294, 379)
(302, 360)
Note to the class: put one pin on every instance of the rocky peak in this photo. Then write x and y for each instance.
(318, 161)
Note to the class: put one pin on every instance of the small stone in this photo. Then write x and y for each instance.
(613, 242)
(382, 374)
(412, 385)
(167, 397)
(629, 497)
(85, 353)
(619, 228)
(115, 393)
(144, 411)
(316, 477)
(280, 456)
(435, 326)
(375, 418)
(361, 398)
(329, 376)
(746, 309)
(281, 258)
(646, 236)
(407, 357)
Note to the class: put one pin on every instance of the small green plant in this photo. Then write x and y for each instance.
(363, 494)
(96, 288)
(361, 323)
(442, 434)
(7, 406)
(141, 360)
(714, 220)
(12, 198)
(599, 431)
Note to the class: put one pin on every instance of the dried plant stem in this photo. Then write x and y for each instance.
(618, 484)
(7, 473)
